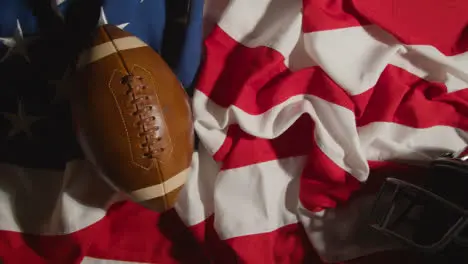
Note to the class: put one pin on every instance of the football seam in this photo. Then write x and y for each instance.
(168, 134)
(125, 125)
(122, 62)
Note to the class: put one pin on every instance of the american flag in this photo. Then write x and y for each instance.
(301, 108)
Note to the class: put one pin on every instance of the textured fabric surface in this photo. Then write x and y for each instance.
(301, 107)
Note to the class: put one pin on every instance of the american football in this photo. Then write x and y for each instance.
(133, 118)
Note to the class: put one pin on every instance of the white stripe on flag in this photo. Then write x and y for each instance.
(390, 141)
(355, 57)
(337, 137)
(257, 198)
(66, 201)
(195, 202)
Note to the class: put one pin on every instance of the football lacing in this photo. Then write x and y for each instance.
(145, 123)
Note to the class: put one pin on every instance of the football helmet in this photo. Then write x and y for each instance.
(432, 217)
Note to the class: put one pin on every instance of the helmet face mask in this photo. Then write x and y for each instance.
(431, 218)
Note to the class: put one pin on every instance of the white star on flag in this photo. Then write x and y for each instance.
(103, 20)
(55, 7)
(62, 87)
(16, 44)
(21, 122)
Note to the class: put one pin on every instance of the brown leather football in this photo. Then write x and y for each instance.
(133, 118)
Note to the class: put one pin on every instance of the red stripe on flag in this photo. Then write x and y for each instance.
(241, 149)
(330, 14)
(406, 99)
(288, 245)
(256, 79)
(323, 184)
(132, 233)
(442, 24)
(18, 247)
